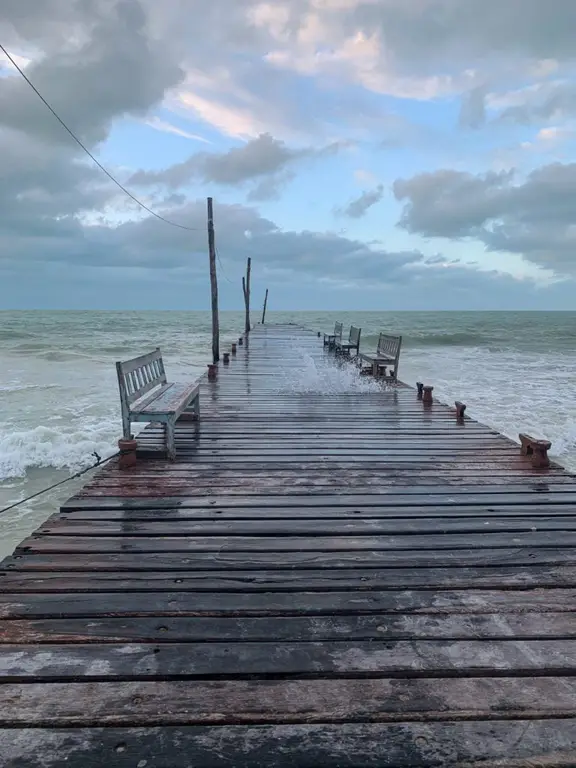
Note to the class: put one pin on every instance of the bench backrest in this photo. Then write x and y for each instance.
(389, 346)
(354, 337)
(338, 331)
(138, 376)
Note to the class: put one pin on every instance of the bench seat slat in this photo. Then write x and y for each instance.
(376, 358)
(171, 399)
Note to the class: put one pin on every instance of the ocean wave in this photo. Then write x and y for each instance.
(449, 340)
(61, 448)
(9, 334)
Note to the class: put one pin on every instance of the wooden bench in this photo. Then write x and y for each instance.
(166, 403)
(387, 355)
(353, 343)
(331, 338)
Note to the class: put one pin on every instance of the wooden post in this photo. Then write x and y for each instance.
(246, 291)
(537, 449)
(213, 285)
(264, 310)
(427, 396)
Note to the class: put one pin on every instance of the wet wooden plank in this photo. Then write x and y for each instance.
(521, 626)
(437, 543)
(355, 526)
(479, 577)
(339, 513)
(199, 561)
(19, 605)
(326, 659)
(283, 701)
(519, 743)
(535, 492)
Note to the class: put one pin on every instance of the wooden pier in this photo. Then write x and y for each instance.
(347, 581)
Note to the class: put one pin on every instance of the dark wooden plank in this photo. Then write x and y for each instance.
(200, 561)
(440, 513)
(480, 577)
(387, 658)
(21, 606)
(536, 493)
(513, 743)
(283, 701)
(306, 527)
(527, 626)
(231, 543)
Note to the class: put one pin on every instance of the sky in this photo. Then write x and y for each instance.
(367, 154)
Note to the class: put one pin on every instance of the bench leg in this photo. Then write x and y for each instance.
(170, 440)
(192, 411)
(126, 427)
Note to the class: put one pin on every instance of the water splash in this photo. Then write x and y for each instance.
(326, 377)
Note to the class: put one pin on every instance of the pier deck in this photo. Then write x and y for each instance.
(349, 580)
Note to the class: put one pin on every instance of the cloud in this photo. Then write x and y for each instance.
(162, 125)
(358, 207)
(295, 80)
(541, 102)
(473, 108)
(265, 160)
(534, 217)
(110, 67)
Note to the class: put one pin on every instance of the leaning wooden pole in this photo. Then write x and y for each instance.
(213, 285)
(246, 291)
(264, 310)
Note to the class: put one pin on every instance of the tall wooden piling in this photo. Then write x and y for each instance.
(213, 285)
(264, 309)
(246, 291)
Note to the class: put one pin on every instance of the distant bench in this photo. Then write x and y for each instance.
(331, 338)
(353, 343)
(165, 405)
(387, 356)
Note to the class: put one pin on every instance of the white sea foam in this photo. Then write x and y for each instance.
(49, 446)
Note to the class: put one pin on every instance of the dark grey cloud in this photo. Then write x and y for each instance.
(360, 206)
(549, 101)
(535, 217)
(428, 32)
(114, 68)
(264, 160)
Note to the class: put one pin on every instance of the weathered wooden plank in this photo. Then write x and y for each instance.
(289, 543)
(283, 701)
(199, 561)
(527, 626)
(513, 743)
(388, 658)
(306, 527)
(537, 492)
(441, 513)
(287, 603)
(479, 577)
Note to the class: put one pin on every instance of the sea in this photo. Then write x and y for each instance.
(59, 402)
